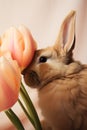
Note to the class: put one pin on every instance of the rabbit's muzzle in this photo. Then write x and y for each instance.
(31, 78)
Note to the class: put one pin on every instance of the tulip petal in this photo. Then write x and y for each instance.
(9, 82)
(16, 45)
(29, 46)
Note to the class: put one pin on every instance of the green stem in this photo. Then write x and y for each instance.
(14, 119)
(30, 108)
(25, 111)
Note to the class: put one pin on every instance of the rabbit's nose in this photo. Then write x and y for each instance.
(31, 78)
(32, 73)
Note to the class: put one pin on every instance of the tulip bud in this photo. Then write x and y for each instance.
(21, 45)
(9, 82)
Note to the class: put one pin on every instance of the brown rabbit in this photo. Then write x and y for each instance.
(61, 82)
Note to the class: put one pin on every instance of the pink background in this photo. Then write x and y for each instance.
(43, 18)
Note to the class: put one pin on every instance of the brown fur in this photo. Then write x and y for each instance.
(61, 82)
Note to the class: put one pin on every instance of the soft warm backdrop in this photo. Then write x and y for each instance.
(43, 18)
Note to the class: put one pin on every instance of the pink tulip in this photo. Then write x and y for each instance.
(9, 82)
(20, 43)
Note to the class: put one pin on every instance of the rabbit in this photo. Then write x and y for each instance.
(61, 81)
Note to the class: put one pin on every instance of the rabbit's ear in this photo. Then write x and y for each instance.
(66, 37)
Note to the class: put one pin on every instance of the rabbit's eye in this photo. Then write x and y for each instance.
(42, 59)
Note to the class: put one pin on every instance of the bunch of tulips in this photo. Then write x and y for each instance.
(17, 48)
